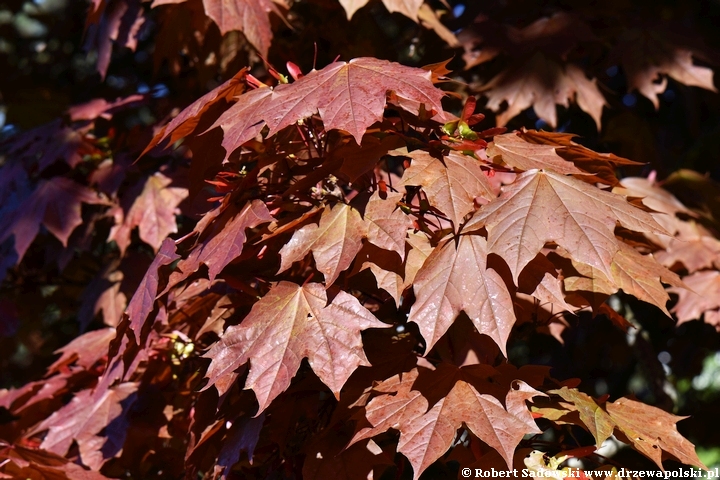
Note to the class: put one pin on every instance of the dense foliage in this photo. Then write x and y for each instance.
(226, 253)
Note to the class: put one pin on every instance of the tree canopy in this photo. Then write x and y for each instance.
(357, 239)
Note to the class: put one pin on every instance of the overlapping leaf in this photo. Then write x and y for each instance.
(251, 17)
(697, 251)
(451, 184)
(702, 296)
(248, 16)
(349, 96)
(82, 419)
(653, 196)
(183, 124)
(387, 225)
(426, 434)
(242, 436)
(526, 156)
(17, 461)
(600, 165)
(387, 280)
(334, 243)
(289, 323)
(597, 420)
(227, 243)
(56, 204)
(646, 56)
(153, 211)
(650, 430)
(636, 274)
(244, 120)
(143, 301)
(540, 279)
(542, 83)
(455, 278)
(103, 294)
(543, 206)
(86, 350)
(409, 8)
(419, 252)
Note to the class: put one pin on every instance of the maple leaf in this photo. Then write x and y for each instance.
(451, 185)
(666, 208)
(56, 204)
(409, 8)
(649, 429)
(153, 211)
(537, 76)
(112, 302)
(113, 23)
(104, 294)
(419, 251)
(248, 16)
(430, 19)
(185, 122)
(244, 120)
(83, 418)
(17, 461)
(653, 196)
(695, 252)
(543, 206)
(646, 55)
(349, 96)
(601, 165)
(334, 242)
(227, 242)
(426, 434)
(85, 350)
(454, 279)
(251, 17)
(44, 145)
(541, 83)
(289, 323)
(386, 267)
(526, 156)
(357, 160)
(597, 420)
(540, 280)
(388, 280)
(557, 34)
(143, 300)
(99, 107)
(636, 274)
(702, 296)
(349, 125)
(16, 400)
(387, 225)
(388, 411)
